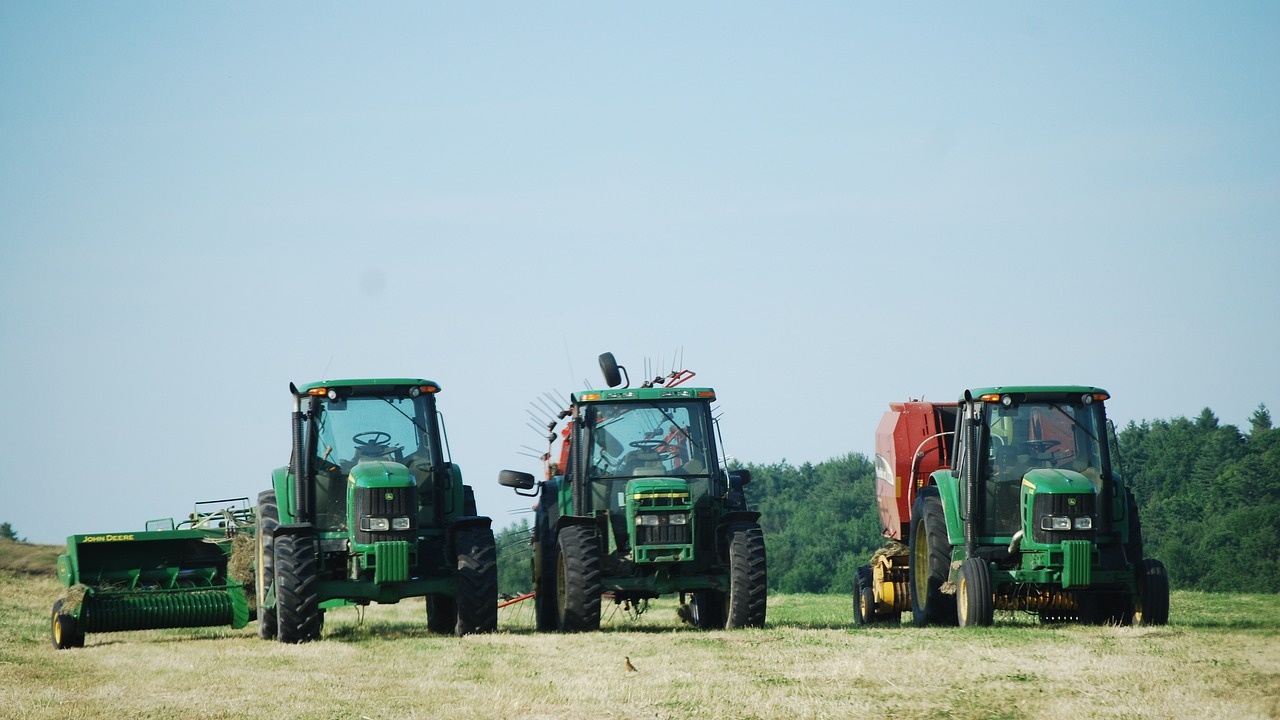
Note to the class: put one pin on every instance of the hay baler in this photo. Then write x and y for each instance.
(1006, 500)
(637, 504)
(195, 573)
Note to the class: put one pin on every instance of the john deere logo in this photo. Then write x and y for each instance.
(1070, 501)
(391, 496)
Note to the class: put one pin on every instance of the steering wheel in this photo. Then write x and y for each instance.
(652, 446)
(1042, 446)
(375, 438)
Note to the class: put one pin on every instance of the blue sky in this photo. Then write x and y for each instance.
(820, 208)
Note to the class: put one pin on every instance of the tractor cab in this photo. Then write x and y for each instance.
(361, 436)
(1034, 452)
(658, 453)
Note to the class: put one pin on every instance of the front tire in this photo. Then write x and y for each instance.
(578, 584)
(268, 521)
(748, 577)
(975, 605)
(477, 600)
(930, 562)
(297, 589)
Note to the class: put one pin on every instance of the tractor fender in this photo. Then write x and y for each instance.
(470, 521)
(736, 516)
(294, 530)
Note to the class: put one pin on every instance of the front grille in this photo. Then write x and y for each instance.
(374, 502)
(1072, 506)
(662, 535)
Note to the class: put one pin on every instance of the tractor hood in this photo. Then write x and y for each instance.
(1057, 506)
(380, 474)
(1056, 481)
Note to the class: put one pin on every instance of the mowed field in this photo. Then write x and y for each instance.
(1218, 658)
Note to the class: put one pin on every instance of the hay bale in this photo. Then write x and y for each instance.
(240, 564)
(73, 598)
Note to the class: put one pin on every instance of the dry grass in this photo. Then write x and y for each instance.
(1223, 662)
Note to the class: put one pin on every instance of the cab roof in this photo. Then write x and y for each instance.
(367, 382)
(1045, 391)
(640, 394)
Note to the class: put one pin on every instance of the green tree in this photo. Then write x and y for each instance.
(514, 554)
(7, 533)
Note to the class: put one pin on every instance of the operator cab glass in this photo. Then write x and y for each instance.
(1028, 435)
(654, 439)
(350, 430)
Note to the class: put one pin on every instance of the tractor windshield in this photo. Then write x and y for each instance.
(650, 439)
(355, 429)
(1029, 435)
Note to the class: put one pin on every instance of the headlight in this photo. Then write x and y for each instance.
(375, 524)
(400, 523)
(646, 519)
(1055, 522)
(1084, 523)
(680, 519)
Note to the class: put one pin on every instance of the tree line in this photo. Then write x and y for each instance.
(1208, 495)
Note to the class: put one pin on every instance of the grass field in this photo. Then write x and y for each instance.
(1218, 658)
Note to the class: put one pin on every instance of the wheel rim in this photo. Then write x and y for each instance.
(962, 600)
(57, 631)
(920, 566)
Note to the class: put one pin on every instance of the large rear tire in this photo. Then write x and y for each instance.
(546, 618)
(578, 584)
(65, 629)
(975, 605)
(297, 589)
(748, 577)
(477, 600)
(265, 574)
(707, 609)
(442, 614)
(1153, 594)
(930, 562)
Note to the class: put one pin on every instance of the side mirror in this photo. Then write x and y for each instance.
(611, 370)
(740, 478)
(516, 479)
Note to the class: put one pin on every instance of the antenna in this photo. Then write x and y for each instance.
(568, 358)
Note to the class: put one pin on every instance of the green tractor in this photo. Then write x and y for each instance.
(370, 509)
(193, 573)
(1008, 499)
(639, 505)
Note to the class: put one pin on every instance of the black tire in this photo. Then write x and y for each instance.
(864, 597)
(708, 609)
(1153, 594)
(265, 573)
(975, 605)
(477, 600)
(65, 630)
(442, 614)
(748, 577)
(298, 613)
(578, 584)
(546, 618)
(930, 562)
